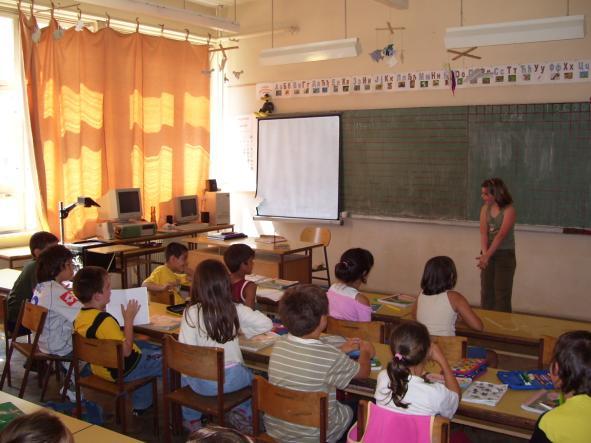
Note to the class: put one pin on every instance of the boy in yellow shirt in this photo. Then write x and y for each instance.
(171, 275)
(92, 287)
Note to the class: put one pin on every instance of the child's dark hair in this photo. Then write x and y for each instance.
(218, 434)
(38, 427)
(355, 264)
(52, 261)
(237, 254)
(212, 294)
(497, 188)
(175, 249)
(88, 281)
(301, 308)
(410, 343)
(439, 275)
(40, 240)
(572, 360)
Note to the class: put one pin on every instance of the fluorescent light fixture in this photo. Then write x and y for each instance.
(311, 52)
(176, 14)
(525, 31)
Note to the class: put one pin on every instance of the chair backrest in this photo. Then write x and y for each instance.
(194, 361)
(454, 348)
(298, 407)
(3, 310)
(547, 344)
(377, 425)
(33, 317)
(316, 235)
(372, 331)
(107, 353)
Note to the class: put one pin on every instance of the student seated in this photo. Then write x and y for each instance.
(302, 362)
(345, 301)
(570, 370)
(171, 275)
(213, 320)
(92, 286)
(438, 306)
(40, 426)
(54, 267)
(401, 386)
(239, 260)
(23, 287)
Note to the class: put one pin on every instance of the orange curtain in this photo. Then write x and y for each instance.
(111, 110)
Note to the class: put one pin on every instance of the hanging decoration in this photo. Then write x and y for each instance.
(389, 52)
(237, 74)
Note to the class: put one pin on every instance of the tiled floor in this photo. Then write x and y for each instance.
(141, 428)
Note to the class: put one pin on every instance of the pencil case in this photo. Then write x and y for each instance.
(526, 380)
(469, 367)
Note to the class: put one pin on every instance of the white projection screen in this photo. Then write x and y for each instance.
(298, 167)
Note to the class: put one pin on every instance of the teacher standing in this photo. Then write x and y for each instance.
(497, 244)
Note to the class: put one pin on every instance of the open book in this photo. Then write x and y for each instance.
(484, 393)
(8, 412)
(399, 300)
(257, 342)
(541, 402)
(122, 297)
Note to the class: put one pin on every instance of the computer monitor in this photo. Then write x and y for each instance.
(186, 209)
(121, 204)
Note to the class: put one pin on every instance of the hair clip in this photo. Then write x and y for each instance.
(398, 356)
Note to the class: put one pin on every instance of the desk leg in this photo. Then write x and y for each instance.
(123, 263)
(281, 267)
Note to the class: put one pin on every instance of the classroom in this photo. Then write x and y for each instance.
(552, 275)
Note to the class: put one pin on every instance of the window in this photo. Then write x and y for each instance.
(17, 198)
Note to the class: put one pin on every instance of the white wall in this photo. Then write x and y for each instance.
(553, 271)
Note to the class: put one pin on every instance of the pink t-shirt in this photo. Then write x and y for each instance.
(343, 306)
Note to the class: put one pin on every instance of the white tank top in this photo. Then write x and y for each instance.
(437, 314)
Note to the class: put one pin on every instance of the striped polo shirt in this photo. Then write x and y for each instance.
(310, 365)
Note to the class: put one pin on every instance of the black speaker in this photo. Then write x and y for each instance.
(211, 185)
(204, 217)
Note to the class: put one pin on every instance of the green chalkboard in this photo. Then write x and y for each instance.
(429, 162)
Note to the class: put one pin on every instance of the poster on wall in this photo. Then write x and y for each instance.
(565, 71)
(241, 147)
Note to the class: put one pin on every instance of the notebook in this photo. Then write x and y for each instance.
(541, 402)
(484, 393)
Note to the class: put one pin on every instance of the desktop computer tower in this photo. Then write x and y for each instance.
(218, 206)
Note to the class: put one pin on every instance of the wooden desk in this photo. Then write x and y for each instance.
(500, 328)
(507, 417)
(73, 424)
(98, 434)
(15, 254)
(274, 260)
(7, 278)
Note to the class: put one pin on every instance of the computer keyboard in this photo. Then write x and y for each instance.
(191, 226)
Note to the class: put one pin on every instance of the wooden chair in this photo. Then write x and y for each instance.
(454, 348)
(33, 318)
(109, 354)
(199, 362)
(318, 235)
(547, 344)
(8, 334)
(165, 297)
(440, 427)
(372, 331)
(302, 408)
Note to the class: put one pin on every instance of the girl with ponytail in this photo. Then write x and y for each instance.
(402, 388)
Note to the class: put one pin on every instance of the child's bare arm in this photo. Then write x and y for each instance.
(129, 314)
(461, 306)
(450, 380)
(156, 287)
(362, 299)
(250, 295)
(366, 352)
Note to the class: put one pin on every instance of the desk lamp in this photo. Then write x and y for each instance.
(87, 202)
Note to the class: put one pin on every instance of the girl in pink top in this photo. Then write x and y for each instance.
(345, 300)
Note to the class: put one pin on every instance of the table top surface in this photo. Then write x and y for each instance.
(7, 278)
(497, 324)
(289, 247)
(15, 252)
(98, 434)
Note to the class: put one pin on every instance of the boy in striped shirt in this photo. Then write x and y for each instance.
(302, 362)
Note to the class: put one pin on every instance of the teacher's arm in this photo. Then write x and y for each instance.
(508, 223)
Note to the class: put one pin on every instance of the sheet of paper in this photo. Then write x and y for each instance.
(122, 297)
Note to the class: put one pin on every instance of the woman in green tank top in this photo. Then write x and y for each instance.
(497, 246)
